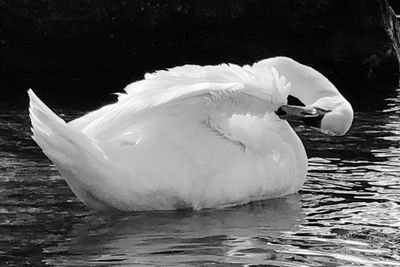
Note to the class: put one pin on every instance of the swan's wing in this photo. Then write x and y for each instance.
(191, 91)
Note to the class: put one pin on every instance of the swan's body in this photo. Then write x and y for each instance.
(190, 137)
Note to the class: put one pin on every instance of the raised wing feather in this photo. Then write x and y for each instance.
(191, 90)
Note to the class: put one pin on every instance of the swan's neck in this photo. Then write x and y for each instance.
(314, 89)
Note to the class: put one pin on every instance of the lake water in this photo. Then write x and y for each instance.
(348, 212)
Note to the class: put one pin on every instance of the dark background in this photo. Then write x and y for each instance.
(75, 53)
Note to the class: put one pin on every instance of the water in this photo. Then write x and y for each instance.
(348, 212)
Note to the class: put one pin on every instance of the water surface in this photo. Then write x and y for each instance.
(348, 212)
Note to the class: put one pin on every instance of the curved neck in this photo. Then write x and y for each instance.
(314, 89)
(308, 85)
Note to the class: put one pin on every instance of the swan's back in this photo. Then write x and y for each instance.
(190, 89)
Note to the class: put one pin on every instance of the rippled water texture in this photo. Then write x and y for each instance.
(348, 212)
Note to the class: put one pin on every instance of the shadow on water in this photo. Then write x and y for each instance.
(347, 213)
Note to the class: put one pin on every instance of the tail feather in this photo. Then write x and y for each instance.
(46, 127)
(81, 162)
(57, 140)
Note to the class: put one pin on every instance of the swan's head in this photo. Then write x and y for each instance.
(331, 115)
(338, 115)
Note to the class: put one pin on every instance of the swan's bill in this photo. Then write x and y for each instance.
(291, 112)
(311, 116)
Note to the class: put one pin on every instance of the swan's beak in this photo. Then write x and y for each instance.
(309, 115)
(290, 112)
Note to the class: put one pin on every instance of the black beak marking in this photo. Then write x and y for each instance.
(280, 112)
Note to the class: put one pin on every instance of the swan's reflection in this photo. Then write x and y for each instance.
(177, 237)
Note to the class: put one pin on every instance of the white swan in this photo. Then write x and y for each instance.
(191, 137)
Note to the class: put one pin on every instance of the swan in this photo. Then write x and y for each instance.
(193, 137)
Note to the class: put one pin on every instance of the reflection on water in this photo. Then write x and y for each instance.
(348, 212)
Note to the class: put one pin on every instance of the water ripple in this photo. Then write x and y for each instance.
(346, 214)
